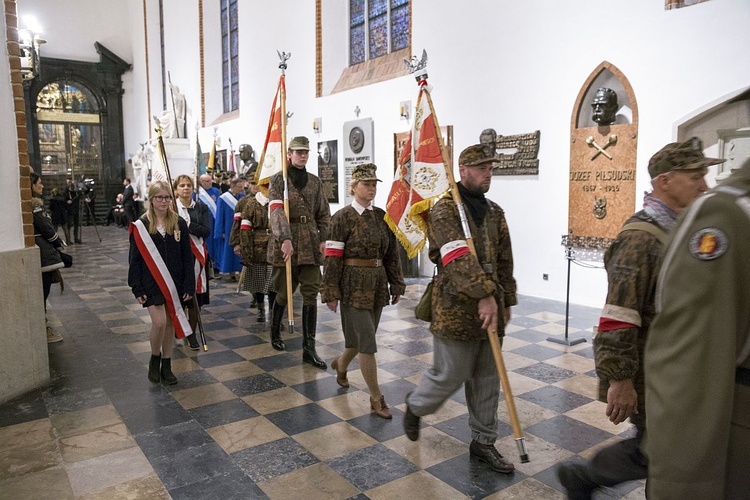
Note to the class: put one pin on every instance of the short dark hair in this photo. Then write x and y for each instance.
(34, 177)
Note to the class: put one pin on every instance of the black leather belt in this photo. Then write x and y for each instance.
(302, 219)
(742, 376)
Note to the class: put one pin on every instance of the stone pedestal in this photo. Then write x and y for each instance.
(24, 362)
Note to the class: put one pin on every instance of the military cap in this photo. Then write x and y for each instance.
(474, 156)
(686, 155)
(365, 172)
(299, 143)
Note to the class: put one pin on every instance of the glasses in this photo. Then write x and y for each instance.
(162, 198)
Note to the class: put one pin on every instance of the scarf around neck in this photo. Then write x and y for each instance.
(298, 176)
(475, 202)
(660, 211)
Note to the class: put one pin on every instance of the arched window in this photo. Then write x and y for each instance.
(377, 28)
(230, 59)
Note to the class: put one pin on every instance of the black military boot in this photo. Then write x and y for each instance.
(261, 307)
(271, 302)
(153, 368)
(309, 322)
(277, 314)
(166, 371)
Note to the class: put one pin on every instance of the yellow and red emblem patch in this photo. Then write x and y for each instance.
(708, 243)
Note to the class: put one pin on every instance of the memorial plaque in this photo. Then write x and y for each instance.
(358, 149)
(602, 160)
(328, 169)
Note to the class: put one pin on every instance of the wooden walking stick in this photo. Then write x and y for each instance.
(421, 76)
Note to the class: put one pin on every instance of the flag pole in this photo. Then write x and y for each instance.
(284, 169)
(418, 67)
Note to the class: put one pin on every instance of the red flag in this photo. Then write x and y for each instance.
(271, 159)
(422, 179)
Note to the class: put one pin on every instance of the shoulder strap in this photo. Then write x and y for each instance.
(652, 229)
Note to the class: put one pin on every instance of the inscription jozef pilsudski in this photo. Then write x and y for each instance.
(604, 142)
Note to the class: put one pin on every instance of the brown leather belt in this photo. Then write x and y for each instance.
(267, 231)
(302, 219)
(363, 262)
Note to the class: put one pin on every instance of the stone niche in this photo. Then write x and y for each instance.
(602, 162)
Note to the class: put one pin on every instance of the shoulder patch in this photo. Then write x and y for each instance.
(708, 243)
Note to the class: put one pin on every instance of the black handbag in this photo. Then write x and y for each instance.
(66, 258)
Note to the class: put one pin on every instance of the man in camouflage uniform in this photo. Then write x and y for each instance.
(249, 238)
(301, 239)
(698, 352)
(470, 294)
(677, 175)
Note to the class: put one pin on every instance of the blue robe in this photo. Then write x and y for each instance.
(226, 260)
(209, 197)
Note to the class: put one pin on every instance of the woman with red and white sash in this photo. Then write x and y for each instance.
(198, 219)
(161, 276)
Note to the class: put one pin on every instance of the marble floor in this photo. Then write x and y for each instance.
(246, 421)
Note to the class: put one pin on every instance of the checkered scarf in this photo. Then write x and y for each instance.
(664, 216)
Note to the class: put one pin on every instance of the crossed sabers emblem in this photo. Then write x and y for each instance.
(601, 149)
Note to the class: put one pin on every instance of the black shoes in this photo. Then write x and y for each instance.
(193, 342)
(166, 372)
(153, 368)
(411, 422)
(488, 454)
(575, 480)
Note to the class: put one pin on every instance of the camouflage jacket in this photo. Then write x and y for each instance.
(365, 236)
(309, 215)
(462, 281)
(632, 264)
(251, 229)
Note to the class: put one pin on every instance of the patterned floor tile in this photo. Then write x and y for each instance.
(246, 421)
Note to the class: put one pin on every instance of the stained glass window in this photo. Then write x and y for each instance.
(230, 78)
(377, 27)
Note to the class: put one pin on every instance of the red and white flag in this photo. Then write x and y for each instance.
(271, 158)
(421, 179)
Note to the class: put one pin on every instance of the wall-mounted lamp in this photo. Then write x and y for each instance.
(318, 125)
(28, 44)
(405, 109)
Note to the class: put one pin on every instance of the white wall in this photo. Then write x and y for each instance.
(514, 66)
(10, 220)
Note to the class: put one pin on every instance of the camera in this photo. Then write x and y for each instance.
(85, 185)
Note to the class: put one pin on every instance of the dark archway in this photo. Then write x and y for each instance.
(99, 87)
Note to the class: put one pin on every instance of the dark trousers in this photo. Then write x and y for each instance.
(129, 213)
(47, 285)
(620, 462)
